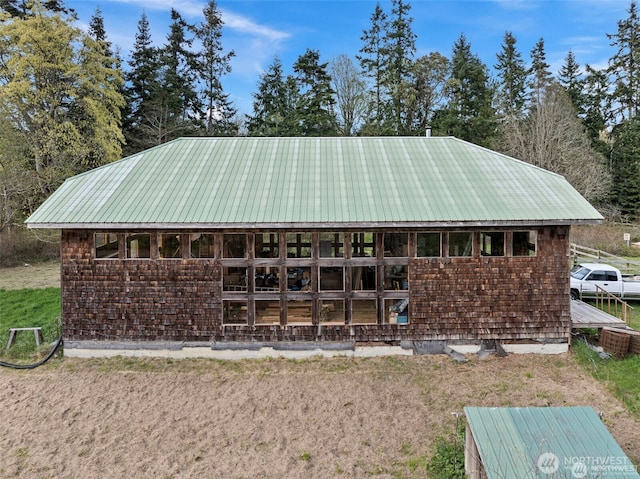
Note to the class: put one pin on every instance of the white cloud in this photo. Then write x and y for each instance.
(245, 25)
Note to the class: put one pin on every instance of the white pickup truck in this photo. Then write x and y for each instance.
(585, 278)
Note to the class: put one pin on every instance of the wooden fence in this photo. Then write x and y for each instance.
(583, 254)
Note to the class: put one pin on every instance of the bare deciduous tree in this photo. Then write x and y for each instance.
(552, 137)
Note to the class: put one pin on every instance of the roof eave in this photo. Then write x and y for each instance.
(318, 225)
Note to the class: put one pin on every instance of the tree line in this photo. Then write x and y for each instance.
(69, 102)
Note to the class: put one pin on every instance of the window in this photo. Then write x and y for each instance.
(202, 245)
(524, 243)
(364, 311)
(267, 312)
(395, 277)
(138, 245)
(234, 279)
(106, 245)
(234, 246)
(332, 279)
(267, 245)
(429, 245)
(299, 245)
(364, 278)
(332, 311)
(299, 311)
(363, 245)
(299, 279)
(396, 311)
(492, 243)
(396, 245)
(170, 245)
(267, 279)
(331, 245)
(234, 312)
(460, 244)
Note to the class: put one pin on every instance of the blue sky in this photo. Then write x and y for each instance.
(258, 30)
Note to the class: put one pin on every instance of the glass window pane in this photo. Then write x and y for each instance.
(234, 312)
(524, 243)
(234, 279)
(267, 312)
(234, 246)
(460, 244)
(331, 245)
(429, 245)
(299, 279)
(202, 245)
(364, 311)
(332, 279)
(363, 245)
(364, 278)
(332, 311)
(395, 277)
(492, 243)
(170, 245)
(106, 245)
(267, 245)
(299, 311)
(267, 279)
(138, 245)
(396, 245)
(396, 311)
(299, 245)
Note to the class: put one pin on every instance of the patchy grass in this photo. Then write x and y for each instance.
(620, 376)
(26, 308)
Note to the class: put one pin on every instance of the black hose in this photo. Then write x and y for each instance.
(35, 365)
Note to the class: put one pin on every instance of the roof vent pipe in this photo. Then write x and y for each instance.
(427, 132)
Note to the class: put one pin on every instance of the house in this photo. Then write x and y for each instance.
(324, 242)
(537, 442)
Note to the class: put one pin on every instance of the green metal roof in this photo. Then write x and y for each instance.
(313, 182)
(545, 442)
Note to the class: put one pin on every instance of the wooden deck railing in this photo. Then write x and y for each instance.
(590, 255)
(613, 305)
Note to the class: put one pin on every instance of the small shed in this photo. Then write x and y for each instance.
(542, 442)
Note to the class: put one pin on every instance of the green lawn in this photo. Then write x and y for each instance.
(619, 375)
(25, 308)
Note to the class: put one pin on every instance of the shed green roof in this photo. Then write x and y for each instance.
(313, 182)
(544, 442)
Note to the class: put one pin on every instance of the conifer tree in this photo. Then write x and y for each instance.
(569, 77)
(512, 76)
(213, 65)
(373, 63)
(315, 106)
(540, 76)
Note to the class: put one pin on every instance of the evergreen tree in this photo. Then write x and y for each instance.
(624, 66)
(315, 105)
(274, 104)
(213, 64)
(373, 63)
(625, 163)
(596, 107)
(569, 77)
(512, 77)
(143, 83)
(469, 114)
(400, 48)
(177, 107)
(540, 76)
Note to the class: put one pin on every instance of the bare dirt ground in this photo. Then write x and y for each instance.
(319, 418)
(39, 275)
